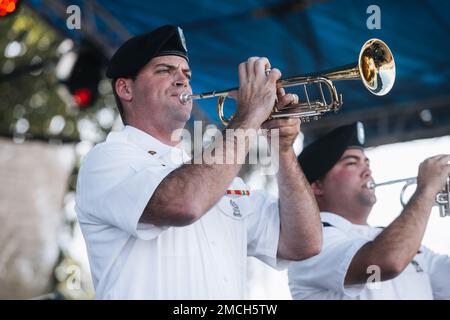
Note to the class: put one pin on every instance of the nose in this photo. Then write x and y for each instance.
(366, 172)
(181, 79)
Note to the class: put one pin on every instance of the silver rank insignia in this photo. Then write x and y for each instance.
(360, 132)
(183, 40)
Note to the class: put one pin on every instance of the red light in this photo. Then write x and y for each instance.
(82, 97)
(7, 6)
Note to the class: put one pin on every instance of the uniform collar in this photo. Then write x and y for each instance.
(155, 147)
(146, 141)
(345, 225)
(336, 220)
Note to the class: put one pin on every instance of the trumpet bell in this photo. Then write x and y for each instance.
(376, 67)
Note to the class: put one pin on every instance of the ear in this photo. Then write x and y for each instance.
(317, 188)
(124, 88)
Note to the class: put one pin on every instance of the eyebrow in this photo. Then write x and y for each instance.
(351, 156)
(171, 66)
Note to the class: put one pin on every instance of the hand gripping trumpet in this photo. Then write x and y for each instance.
(442, 198)
(375, 68)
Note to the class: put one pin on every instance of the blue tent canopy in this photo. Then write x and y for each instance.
(298, 37)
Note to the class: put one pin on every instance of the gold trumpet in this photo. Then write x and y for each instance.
(442, 198)
(375, 68)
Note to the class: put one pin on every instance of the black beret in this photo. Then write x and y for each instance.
(320, 156)
(139, 50)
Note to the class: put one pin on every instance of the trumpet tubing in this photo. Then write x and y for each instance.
(442, 199)
(375, 68)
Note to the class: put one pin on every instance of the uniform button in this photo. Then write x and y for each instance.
(225, 279)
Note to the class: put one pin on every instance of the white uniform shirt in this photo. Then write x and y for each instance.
(130, 260)
(322, 276)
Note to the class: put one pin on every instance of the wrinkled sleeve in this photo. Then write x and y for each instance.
(116, 193)
(327, 270)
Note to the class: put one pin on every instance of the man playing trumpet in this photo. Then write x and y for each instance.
(157, 228)
(359, 261)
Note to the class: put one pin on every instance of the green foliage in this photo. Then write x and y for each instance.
(33, 103)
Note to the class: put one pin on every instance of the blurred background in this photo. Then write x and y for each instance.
(56, 104)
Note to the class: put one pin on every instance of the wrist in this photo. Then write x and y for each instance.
(287, 156)
(244, 123)
(426, 191)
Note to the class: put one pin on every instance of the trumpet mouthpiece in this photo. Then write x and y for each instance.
(371, 185)
(184, 97)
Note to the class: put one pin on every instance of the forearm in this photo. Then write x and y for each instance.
(191, 190)
(396, 246)
(400, 241)
(300, 233)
